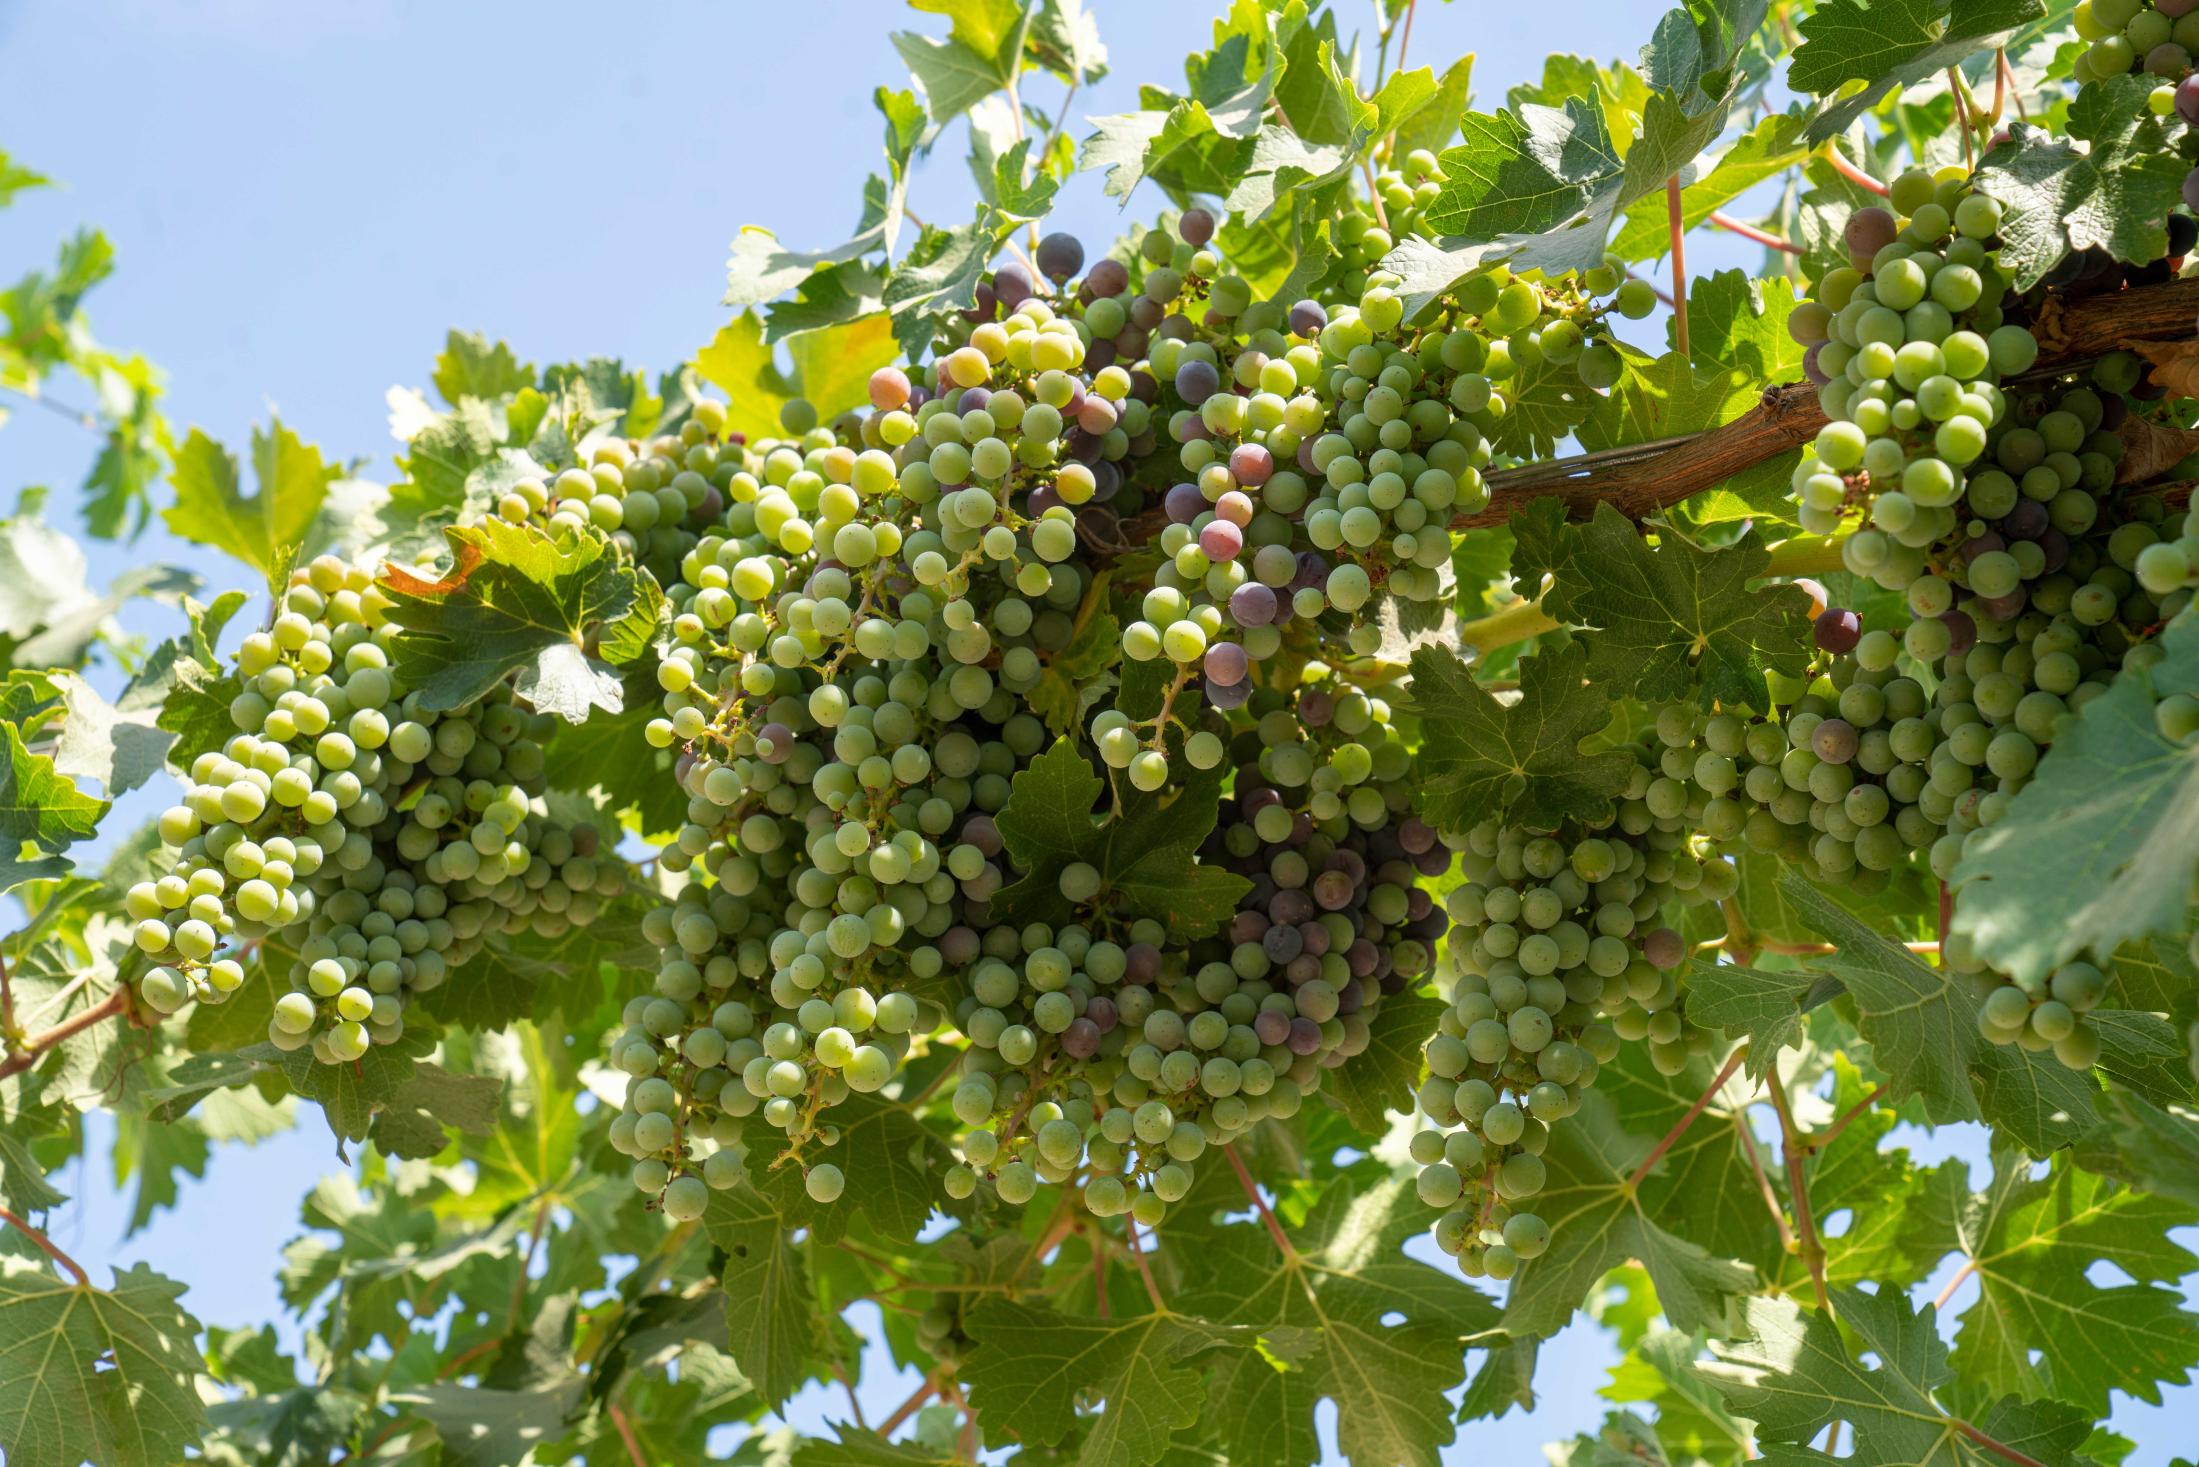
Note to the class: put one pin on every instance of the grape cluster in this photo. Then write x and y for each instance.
(1566, 960)
(1908, 343)
(1123, 1064)
(649, 498)
(380, 839)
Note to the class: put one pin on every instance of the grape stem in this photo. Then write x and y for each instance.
(1795, 1147)
(47, 1246)
(1997, 1448)
(1962, 116)
(1679, 1128)
(1678, 222)
(626, 1435)
(1826, 1137)
(1850, 172)
(2015, 92)
(1962, 1275)
(117, 1002)
(925, 1390)
(1514, 623)
(1763, 237)
(1145, 1271)
(1746, 1140)
(1259, 1203)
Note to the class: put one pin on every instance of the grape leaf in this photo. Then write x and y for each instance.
(1032, 1366)
(1767, 150)
(1671, 621)
(470, 365)
(265, 530)
(1523, 171)
(482, 1427)
(1436, 123)
(1603, 1223)
(2032, 1242)
(1324, 1308)
(1480, 758)
(774, 1338)
(1879, 1188)
(1764, 1006)
(1794, 1376)
(2109, 185)
(100, 742)
(866, 1449)
(96, 1375)
(1889, 44)
(1380, 1078)
(1923, 1031)
(951, 76)
(831, 368)
(894, 1161)
(412, 1123)
(517, 600)
(2099, 849)
(1145, 855)
(1692, 1421)
(41, 808)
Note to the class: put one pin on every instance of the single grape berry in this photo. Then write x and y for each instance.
(1837, 630)
(1059, 256)
(1196, 227)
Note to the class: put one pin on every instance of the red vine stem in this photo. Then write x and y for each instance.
(1750, 231)
(924, 1391)
(1679, 262)
(47, 1246)
(1962, 1275)
(1811, 1246)
(1267, 1214)
(1702, 1101)
(626, 1435)
(1852, 173)
(1145, 1271)
(1747, 1142)
(1997, 1448)
(1826, 1137)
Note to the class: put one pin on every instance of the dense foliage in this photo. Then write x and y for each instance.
(1101, 796)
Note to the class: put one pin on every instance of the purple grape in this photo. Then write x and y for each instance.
(1196, 227)
(1012, 285)
(1059, 256)
(1307, 318)
(1271, 1027)
(1333, 890)
(1081, 1040)
(1364, 958)
(1305, 1036)
(1817, 375)
(1305, 457)
(959, 945)
(1107, 278)
(1141, 963)
(1293, 906)
(2191, 189)
(1834, 740)
(1282, 943)
(1226, 663)
(774, 742)
(1962, 632)
(1251, 465)
(980, 831)
(1316, 938)
(2187, 100)
(1415, 835)
(1096, 414)
(1221, 541)
(1837, 631)
(1252, 605)
(2027, 521)
(1227, 696)
(1184, 503)
(1196, 381)
(1664, 948)
(2054, 545)
(1316, 708)
(2008, 607)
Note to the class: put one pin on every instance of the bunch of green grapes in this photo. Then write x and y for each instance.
(2169, 568)
(2040, 1016)
(1557, 957)
(2159, 37)
(382, 839)
(1120, 1064)
(1908, 344)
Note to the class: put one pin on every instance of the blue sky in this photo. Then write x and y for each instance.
(304, 198)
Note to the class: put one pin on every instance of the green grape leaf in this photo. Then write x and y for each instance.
(1380, 1078)
(412, 1124)
(101, 742)
(1766, 1007)
(774, 1328)
(1702, 1187)
(2109, 185)
(761, 270)
(23, 1184)
(265, 530)
(1435, 124)
(1031, 1366)
(1521, 171)
(1738, 324)
(2031, 1241)
(1793, 1376)
(866, 1449)
(1600, 1222)
(1879, 1188)
(1506, 1379)
(1923, 1032)
(1480, 758)
(41, 808)
(351, 1095)
(97, 1375)
(1692, 1421)
(1145, 855)
(2152, 1147)
(2099, 848)
(951, 76)
(1671, 621)
(15, 178)
(1323, 1311)
(831, 369)
(1765, 151)
(1623, 1440)
(483, 1427)
(1890, 44)
(891, 1162)
(46, 609)
(470, 365)
(517, 600)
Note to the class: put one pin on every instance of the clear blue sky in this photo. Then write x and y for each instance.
(304, 198)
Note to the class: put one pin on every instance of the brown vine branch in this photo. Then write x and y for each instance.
(1746, 1140)
(1848, 1117)
(1267, 1214)
(117, 1002)
(1641, 479)
(48, 1247)
(1811, 1247)
(626, 1435)
(1679, 1128)
(924, 1391)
